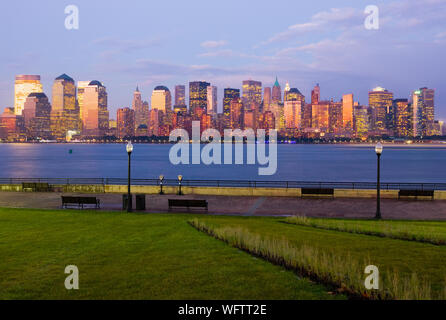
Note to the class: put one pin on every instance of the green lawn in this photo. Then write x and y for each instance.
(160, 256)
(132, 256)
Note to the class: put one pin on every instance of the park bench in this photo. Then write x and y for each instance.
(416, 194)
(317, 192)
(36, 186)
(80, 202)
(184, 203)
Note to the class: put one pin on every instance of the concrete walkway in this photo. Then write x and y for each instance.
(252, 206)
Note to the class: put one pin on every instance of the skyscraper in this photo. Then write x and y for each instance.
(198, 96)
(94, 111)
(293, 114)
(320, 115)
(212, 100)
(141, 110)
(361, 119)
(24, 85)
(316, 94)
(180, 95)
(285, 92)
(125, 122)
(229, 95)
(236, 114)
(64, 108)
(276, 93)
(380, 102)
(252, 92)
(335, 117)
(266, 98)
(161, 99)
(347, 111)
(423, 112)
(403, 127)
(37, 111)
(81, 85)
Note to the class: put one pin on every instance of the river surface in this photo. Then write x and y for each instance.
(347, 163)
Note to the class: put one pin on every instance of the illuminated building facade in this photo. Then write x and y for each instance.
(141, 110)
(316, 94)
(266, 98)
(8, 125)
(64, 108)
(125, 122)
(294, 101)
(236, 114)
(229, 95)
(380, 102)
(320, 116)
(347, 111)
(198, 96)
(361, 122)
(212, 100)
(293, 114)
(37, 113)
(161, 99)
(252, 92)
(403, 126)
(335, 117)
(180, 95)
(266, 121)
(95, 115)
(24, 85)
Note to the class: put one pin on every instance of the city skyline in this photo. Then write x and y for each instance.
(294, 47)
(82, 112)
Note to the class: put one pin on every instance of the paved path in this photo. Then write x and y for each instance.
(256, 206)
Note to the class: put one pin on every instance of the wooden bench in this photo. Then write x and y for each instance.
(416, 194)
(36, 186)
(317, 192)
(80, 202)
(184, 203)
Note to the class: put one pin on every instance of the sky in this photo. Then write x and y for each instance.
(148, 43)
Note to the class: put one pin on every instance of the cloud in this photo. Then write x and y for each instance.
(117, 46)
(324, 20)
(213, 44)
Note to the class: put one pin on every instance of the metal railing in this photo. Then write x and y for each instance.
(230, 183)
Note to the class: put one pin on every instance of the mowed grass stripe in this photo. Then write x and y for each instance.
(132, 256)
(433, 232)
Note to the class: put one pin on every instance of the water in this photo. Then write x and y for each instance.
(295, 162)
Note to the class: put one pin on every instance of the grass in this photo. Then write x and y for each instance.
(345, 273)
(160, 256)
(132, 256)
(405, 263)
(433, 232)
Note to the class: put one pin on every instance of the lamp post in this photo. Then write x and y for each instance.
(161, 184)
(180, 178)
(379, 151)
(129, 149)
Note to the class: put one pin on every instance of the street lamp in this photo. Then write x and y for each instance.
(129, 149)
(180, 178)
(379, 151)
(161, 184)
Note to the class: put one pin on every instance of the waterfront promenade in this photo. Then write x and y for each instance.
(251, 206)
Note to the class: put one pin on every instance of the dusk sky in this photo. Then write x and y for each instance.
(150, 43)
